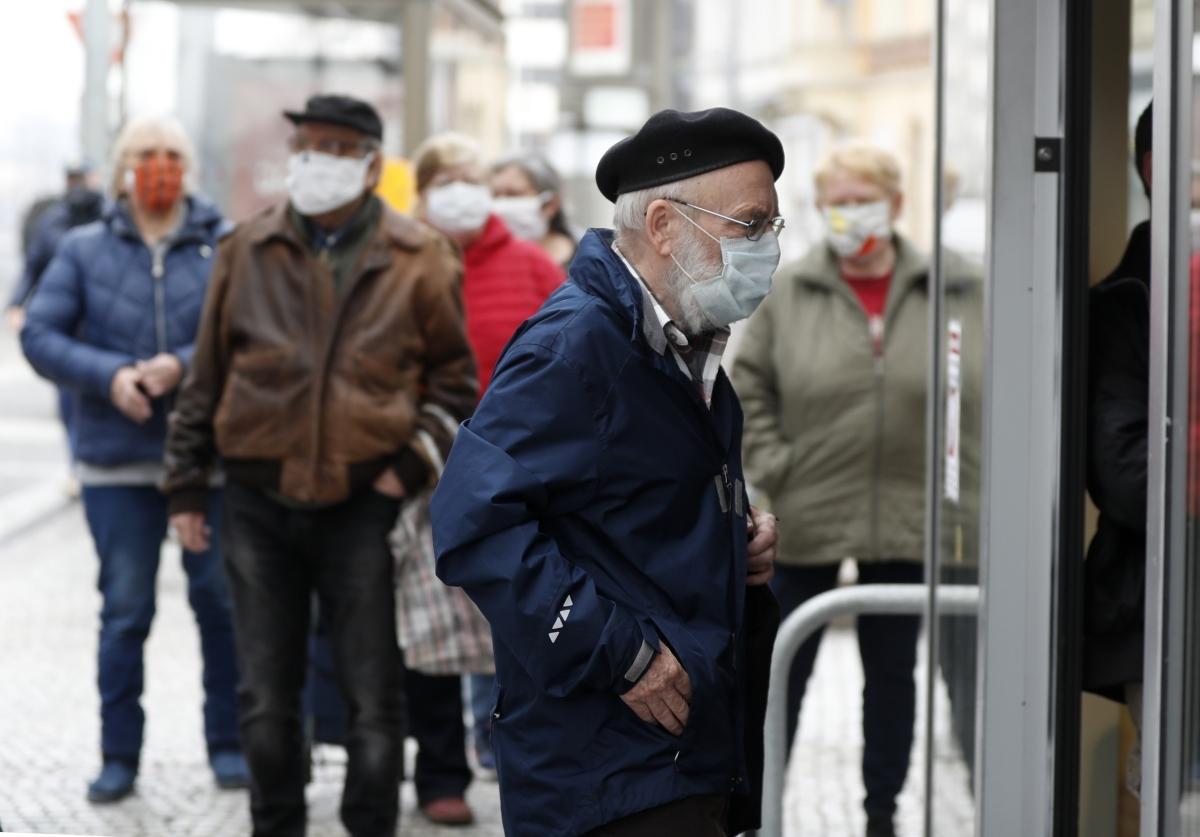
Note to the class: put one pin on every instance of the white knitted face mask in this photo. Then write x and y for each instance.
(318, 183)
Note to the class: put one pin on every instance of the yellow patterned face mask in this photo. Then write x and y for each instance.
(857, 230)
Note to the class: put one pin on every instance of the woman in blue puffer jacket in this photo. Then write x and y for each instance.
(114, 319)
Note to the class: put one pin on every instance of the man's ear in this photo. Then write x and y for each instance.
(375, 171)
(1147, 170)
(897, 205)
(660, 218)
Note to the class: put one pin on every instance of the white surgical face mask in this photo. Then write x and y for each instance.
(318, 183)
(854, 230)
(744, 281)
(523, 216)
(458, 207)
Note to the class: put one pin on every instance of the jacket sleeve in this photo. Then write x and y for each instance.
(52, 319)
(1117, 404)
(449, 385)
(191, 448)
(765, 449)
(531, 456)
(46, 235)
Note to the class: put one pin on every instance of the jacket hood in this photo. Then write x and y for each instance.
(201, 222)
(599, 271)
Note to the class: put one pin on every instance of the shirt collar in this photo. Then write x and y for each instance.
(657, 325)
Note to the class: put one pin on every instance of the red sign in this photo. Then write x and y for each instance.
(595, 24)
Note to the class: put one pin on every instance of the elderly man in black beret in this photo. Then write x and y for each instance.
(594, 506)
(329, 375)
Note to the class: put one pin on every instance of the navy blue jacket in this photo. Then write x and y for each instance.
(76, 208)
(591, 503)
(103, 304)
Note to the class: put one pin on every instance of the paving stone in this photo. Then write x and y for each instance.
(49, 723)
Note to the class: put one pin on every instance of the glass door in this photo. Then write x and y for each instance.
(1170, 767)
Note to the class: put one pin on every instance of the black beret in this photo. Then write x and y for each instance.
(674, 145)
(340, 110)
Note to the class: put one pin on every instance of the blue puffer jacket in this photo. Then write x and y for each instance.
(106, 302)
(591, 503)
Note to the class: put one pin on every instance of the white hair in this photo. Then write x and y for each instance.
(148, 129)
(629, 210)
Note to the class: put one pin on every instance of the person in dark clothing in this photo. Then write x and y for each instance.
(595, 508)
(45, 225)
(331, 371)
(1118, 392)
(79, 205)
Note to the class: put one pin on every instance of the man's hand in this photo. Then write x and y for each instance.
(15, 317)
(128, 397)
(760, 554)
(389, 485)
(159, 375)
(193, 533)
(663, 694)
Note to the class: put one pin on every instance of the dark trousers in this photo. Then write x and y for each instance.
(276, 557)
(435, 720)
(888, 647)
(128, 525)
(695, 816)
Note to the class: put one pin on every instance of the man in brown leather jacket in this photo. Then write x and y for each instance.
(330, 374)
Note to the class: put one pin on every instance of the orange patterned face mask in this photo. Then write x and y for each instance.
(158, 182)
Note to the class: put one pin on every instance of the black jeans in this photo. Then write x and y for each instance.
(276, 557)
(435, 720)
(888, 646)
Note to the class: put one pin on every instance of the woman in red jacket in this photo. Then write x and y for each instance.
(505, 280)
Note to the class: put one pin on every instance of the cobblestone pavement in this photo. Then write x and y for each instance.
(48, 722)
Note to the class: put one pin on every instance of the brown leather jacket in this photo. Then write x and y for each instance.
(310, 393)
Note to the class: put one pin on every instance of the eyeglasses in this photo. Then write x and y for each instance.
(334, 147)
(755, 227)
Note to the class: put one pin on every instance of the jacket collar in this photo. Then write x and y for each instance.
(597, 270)
(393, 229)
(201, 220)
(820, 267)
(494, 236)
(1135, 262)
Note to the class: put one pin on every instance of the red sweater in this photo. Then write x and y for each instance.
(505, 280)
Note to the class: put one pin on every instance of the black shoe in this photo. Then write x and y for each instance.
(881, 826)
(115, 782)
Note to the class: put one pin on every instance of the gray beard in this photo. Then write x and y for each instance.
(690, 255)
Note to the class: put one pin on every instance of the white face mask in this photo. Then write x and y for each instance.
(458, 207)
(855, 230)
(523, 216)
(318, 183)
(743, 283)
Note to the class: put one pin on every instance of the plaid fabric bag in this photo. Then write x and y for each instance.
(439, 627)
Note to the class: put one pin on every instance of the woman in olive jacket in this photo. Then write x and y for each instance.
(832, 374)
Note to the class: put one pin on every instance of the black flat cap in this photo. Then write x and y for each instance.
(674, 145)
(340, 110)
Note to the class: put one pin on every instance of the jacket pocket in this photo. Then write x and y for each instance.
(708, 743)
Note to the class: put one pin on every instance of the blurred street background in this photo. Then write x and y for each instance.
(566, 78)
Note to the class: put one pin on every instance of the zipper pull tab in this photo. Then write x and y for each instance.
(722, 496)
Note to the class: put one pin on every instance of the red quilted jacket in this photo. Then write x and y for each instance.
(505, 280)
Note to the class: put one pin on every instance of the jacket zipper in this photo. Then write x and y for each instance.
(158, 270)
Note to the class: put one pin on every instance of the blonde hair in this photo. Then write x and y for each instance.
(862, 160)
(141, 130)
(444, 151)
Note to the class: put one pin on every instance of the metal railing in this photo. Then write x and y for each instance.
(879, 599)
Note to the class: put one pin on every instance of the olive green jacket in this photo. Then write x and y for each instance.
(835, 436)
